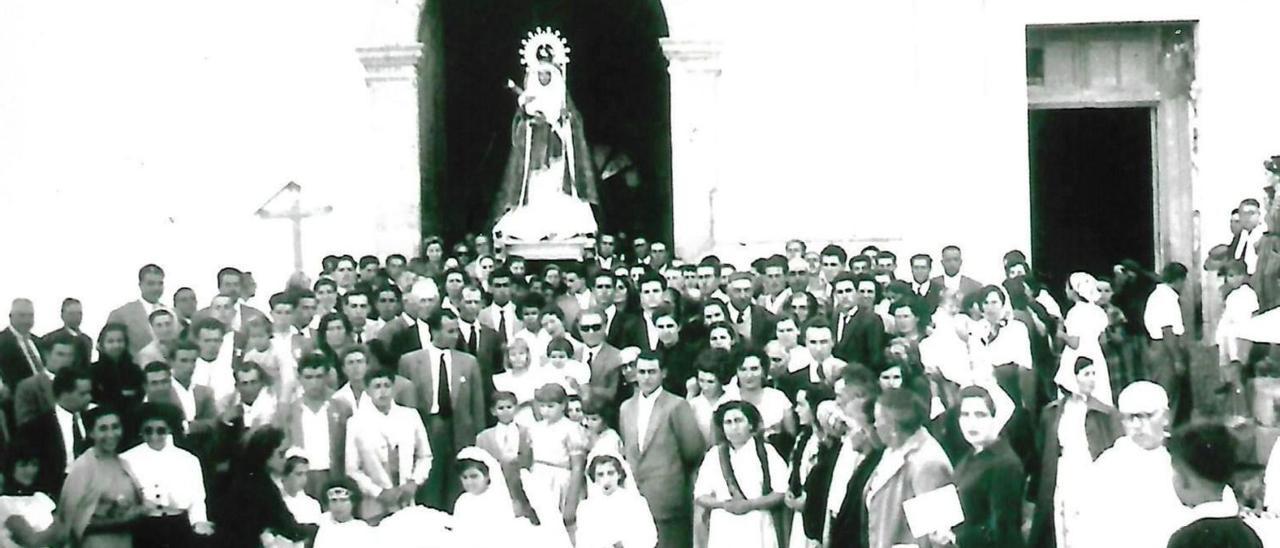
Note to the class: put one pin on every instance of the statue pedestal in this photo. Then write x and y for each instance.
(559, 250)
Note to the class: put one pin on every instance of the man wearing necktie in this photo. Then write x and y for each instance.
(451, 402)
(19, 349)
(58, 434)
(860, 336)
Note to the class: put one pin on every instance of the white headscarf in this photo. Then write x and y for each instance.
(1086, 286)
(1067, 378)
(548, 99)
(629, 484)
(497, 478)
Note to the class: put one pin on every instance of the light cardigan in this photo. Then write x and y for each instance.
(370, 437)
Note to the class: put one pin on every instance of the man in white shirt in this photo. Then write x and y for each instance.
(388, 453)
(651, 287)
(356, 306)
(165, 327)
(1252, 228)
(606, 251)
(1167, 359)
(1240, 305)
(171, 479)
(136, 313)
(316, 423)
(213, 365)
(1130, 498)
(501, 314)
(59, 434)
(951, 278)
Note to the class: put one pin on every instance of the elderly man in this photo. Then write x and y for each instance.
(19, 348)
(913, 464)
(1131, 500)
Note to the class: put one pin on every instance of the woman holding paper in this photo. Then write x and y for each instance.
(990, 480)
(742, 483)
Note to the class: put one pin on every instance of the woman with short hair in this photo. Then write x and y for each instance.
(101, 500)
(990, 479)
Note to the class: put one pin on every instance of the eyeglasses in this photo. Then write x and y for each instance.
(776, 359)
(590, 326)
(155, 431)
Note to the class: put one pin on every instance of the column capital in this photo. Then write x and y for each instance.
(692, 55)
(390, 63)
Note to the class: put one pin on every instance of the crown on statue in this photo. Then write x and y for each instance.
(544, 45)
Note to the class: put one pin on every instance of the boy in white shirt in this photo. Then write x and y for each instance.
(1240, 305)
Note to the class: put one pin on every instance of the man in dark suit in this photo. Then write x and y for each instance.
(602, 357)
(475, 338)
(19, 348)
(58, 434)
(951, 278)
(404, 334)
(163, 385)
(34, 395)
(135, 314)
(652, 286)
(576, 297)
(753, 322)
(622, 329)
(921, 284)
(230, 283)
(72, 316)
(663, 445)
(860, 336)
(451, 402)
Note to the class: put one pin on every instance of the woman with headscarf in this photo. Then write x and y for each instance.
(614, 512)
(333, 339)
(101, 499)
(1084, 325)
(742, 482)
(26, 514)
(117, 381)
(1074, 430)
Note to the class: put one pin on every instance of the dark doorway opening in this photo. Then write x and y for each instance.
(1092, 191)
(617, 77)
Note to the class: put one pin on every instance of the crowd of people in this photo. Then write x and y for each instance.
(466, 397)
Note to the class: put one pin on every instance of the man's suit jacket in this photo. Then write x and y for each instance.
(14, 365)
(967, 285)
(134, 317)
(571, 308)
(863, 340)
(933, 294)
(45, 435)
(33, 397)
(606, 369)
(1102, 427)
(672, 448)
(923, 467)
(488, 353)
(84, 345)
(466, 387)
(338, 414)
(396, 339)
(762, 326)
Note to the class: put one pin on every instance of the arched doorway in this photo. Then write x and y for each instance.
(617, 78)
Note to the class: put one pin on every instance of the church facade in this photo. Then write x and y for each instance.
(130, 135)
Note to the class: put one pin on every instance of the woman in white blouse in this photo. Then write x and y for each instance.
(777, 419)
(1003, 345)
(171, 479)
(1085, 323)
(741, 483)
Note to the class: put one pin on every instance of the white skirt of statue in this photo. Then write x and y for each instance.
(550, 182)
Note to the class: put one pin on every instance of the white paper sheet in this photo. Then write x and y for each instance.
(937, 510)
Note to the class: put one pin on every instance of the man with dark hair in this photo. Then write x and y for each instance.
(709, 280)
(501, 315)
(1167, 360)
(651, 288)
(752, 321)
(913, 464)
(166, 334)
(607, 251)
(478, 340)
(326, 292)
(72, 315)
(576, 297)
(304, 312)
(34, 395)
(184, 307)
(663, 445)
(860, 264)
(952, 279)
(859, 331)
(921, 284)
(1203, 458)
(386, 303)
(213, 365)
(602, 357)
(640, 246)
(395, 266)
(172, 384)
(886, 268)
(774, 291)
(344, 274)
(135, 314)
(368, 272)
(58, 433)
(451, 402)
(356, 307)
(1252, 228)
(316, 423)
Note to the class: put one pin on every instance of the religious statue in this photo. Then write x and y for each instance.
(550, 180)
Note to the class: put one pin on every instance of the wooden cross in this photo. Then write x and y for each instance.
(291, 194)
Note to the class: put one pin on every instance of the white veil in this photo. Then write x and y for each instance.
(627, 484)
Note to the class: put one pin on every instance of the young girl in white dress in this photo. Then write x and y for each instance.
(485, 513)
(573, 375)
(559, 455)
(614, 514)
(522, 380)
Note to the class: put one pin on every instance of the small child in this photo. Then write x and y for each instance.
(614, 514)
(521, 380)
(303, 508)
(600, 438)
(559, 451)
(569, 373)
(507, 441)
(258, 350)
(1200, 476)
(573, 409)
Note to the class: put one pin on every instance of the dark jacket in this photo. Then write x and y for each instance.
(863, 340)
(849, 528)
(1102, 429)
(254, 504)
(14, 366)
(991, 485)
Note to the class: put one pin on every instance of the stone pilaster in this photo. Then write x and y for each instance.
(393, 175)
(695, 149)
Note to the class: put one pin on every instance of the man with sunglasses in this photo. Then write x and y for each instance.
(602, 357)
